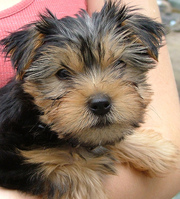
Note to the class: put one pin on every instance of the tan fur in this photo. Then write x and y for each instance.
(65, 110)
(82, 172)
(71, 114)
(73, 169)
(147, 151)
(95, 68)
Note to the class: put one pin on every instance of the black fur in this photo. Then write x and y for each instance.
(20, 127)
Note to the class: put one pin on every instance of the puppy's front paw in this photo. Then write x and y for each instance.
(147, 151)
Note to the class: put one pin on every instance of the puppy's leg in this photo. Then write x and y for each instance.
(147, 151)
(71, 174)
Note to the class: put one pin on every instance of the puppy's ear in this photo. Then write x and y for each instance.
(20, 47)
(135, 28)
(147, 32)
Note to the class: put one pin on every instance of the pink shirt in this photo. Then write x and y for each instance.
(25, 12)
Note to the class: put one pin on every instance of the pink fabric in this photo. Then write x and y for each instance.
(25, 12)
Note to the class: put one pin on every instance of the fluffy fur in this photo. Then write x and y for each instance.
(73, 108)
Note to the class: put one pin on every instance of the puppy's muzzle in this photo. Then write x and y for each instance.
(99, 104)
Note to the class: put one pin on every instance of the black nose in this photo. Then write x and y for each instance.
(100, 104)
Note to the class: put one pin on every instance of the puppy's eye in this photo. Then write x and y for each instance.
(63, 74)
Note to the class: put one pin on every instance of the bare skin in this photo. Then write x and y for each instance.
(163, 115)
(6, 4)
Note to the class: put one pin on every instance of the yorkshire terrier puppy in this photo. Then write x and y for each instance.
(72, 110)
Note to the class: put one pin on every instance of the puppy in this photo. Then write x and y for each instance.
(79, 94)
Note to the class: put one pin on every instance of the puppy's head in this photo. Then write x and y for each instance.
(87, 75)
